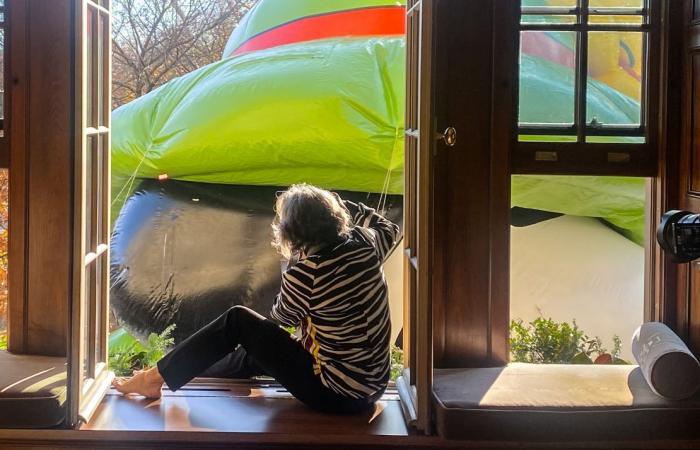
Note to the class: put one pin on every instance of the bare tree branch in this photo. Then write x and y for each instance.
(158, 40)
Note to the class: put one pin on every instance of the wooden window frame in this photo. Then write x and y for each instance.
(415, 384)
(4, 145)
(90, 377)
(585, 158)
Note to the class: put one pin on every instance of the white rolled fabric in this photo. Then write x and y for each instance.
(667, 364)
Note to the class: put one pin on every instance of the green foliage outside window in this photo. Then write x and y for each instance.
(127, 354)
(544, 341)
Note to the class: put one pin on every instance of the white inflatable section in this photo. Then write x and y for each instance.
(566, 268)
(577, 268)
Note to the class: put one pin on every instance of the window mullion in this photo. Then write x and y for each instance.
(581, 88)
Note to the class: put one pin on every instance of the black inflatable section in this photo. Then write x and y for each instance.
(185, 252)
(524, 217)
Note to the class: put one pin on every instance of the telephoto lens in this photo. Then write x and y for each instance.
(678, 235)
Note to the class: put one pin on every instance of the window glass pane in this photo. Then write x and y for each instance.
(577, 258)
(529, 19)
(89, 193)
(618, 20)
(616, 3)
(615, 78)
(615, 139)
(546, 138)
(100, 72)
(547, 79)
(550, 3)
(98, 175)
(85, 321)
(97, 305)
(91, 25)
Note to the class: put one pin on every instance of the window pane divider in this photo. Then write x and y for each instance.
(92, 256)
(100, 8)
(582, 28)
(92, 131)
(605, 130)
(549, 11)
(581, 82)
(547, 129)
(621, 11)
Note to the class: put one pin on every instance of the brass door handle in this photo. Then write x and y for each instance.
(449, 136)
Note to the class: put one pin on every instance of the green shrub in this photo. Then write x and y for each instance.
(396, 362)
(3, 341)
(127, 354)
(544, 341)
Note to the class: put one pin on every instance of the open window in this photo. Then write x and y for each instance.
(414, 385)
(90, 377)
(588, 105)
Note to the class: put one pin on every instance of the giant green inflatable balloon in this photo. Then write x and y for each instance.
(313, 91)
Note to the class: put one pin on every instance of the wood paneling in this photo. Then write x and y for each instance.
(687, 314)
(41, 168)
(661, 273)
(694, 175)
(472, 184)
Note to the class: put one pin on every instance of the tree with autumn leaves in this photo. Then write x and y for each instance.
(153, 42)
(3, 252)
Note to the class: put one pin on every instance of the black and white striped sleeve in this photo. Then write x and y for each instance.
(383, 233)
(292, 303)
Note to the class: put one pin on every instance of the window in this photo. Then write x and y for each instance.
(577, 261)
(90, 314)
(414, 385)
(587, 100)
(587, 91)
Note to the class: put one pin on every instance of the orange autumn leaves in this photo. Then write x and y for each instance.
(3, 251)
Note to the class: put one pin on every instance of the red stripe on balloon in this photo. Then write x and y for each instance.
(379, 21)
(545, 47)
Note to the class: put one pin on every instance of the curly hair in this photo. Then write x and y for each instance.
(306, 217)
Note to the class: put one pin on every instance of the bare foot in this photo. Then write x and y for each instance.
(147, 383)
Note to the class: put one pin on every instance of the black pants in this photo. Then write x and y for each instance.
(269, 347)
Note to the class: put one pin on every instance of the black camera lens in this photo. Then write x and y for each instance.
(678, 235)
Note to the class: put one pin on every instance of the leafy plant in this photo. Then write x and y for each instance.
(544, 341)
(127, 354)
(3, 341)
(396, 362)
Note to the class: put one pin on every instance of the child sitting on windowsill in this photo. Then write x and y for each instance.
(335, 293)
